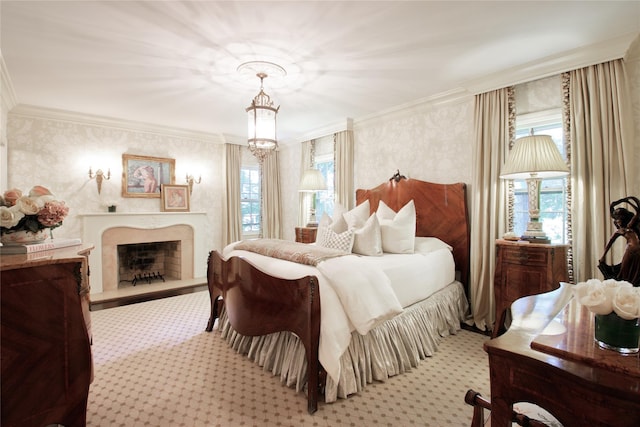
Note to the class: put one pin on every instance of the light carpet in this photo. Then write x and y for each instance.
(156, 366)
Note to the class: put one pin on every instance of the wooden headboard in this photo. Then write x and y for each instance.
(441, 211)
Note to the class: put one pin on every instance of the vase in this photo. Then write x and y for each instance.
(615, 333)
(24, 237)
(111, 208)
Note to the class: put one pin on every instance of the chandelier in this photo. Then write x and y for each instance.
(261, 115)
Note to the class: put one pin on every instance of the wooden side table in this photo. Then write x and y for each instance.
(525, 269)
(549, 358)
(306, 234)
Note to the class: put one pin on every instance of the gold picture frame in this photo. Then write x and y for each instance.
(174, 198)
(143, 176)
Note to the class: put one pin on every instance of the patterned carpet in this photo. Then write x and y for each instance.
(156, 366)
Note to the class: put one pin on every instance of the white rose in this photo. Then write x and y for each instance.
(626, 302)
(9, 217)
(594, 295)
(27, 205)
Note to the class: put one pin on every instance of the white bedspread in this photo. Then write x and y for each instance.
(356, 293)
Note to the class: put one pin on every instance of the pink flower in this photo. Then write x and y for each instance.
(38, 191)
(53, 213)
(10, 196)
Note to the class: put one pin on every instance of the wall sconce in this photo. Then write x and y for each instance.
(191, 181)
(99, 176)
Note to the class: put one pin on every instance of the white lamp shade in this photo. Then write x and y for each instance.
(534, 155)
(312, 180)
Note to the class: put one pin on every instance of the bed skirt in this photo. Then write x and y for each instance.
(392, 348)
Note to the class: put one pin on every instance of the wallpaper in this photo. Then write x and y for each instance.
(58, 154)
(428, 142)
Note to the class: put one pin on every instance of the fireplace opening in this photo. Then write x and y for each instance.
(144, 263)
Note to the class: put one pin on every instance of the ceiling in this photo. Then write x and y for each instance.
(175, 63)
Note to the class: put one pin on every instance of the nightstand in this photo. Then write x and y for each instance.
(306, 234)
(525, 269)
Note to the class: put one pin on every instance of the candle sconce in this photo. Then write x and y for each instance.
(191, 180)
(99, 177)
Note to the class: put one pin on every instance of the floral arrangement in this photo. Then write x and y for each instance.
(609, 296)
(33, 212)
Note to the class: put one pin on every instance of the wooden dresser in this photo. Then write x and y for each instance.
(306, 234)
(45, 338)
(549, 357)
(525, 269)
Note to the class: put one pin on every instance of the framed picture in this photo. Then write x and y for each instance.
(174, 198)
(142, 176)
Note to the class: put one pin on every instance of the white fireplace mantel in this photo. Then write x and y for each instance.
(95, 224)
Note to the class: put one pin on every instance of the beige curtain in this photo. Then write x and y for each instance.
(231, 212)
(305, 200)
(271, 197)
(494, 123)
(600, 132)
(344, 160)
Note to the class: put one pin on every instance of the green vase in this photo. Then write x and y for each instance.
(614, 333)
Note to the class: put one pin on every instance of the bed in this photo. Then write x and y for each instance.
(273, 309)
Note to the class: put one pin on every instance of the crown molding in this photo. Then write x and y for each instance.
(555, 64)
(453, 96)
(330, 129)
(88, 119)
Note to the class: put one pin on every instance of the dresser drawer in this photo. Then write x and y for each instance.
(526, 255)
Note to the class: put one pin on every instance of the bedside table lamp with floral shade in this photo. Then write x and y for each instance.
(312, 181)
(29, 218)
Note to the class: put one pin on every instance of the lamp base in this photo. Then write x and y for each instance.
(534, 232)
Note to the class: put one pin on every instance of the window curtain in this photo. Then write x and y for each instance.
(494, 122)
(231, 212)
(344, 169)
(271, 197)
(601, 159)
(305, 201)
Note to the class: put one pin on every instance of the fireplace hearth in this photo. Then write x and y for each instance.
(148, 262)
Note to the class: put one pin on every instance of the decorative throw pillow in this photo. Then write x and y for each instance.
(367, 239)
(330, 239)
(338, 224)
(357, 216)
(398, 229)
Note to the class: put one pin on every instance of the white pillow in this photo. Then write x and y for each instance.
(367, 239)
(330, 239)
(424, 245)
(338, 224)
(398, 229)
(357, 216)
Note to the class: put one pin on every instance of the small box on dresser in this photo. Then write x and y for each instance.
(523, 269)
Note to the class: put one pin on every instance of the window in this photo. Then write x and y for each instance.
(553, 192)
(250, 188)
(324, 162)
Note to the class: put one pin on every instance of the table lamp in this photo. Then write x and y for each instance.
(533, 158)
(312, 181)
